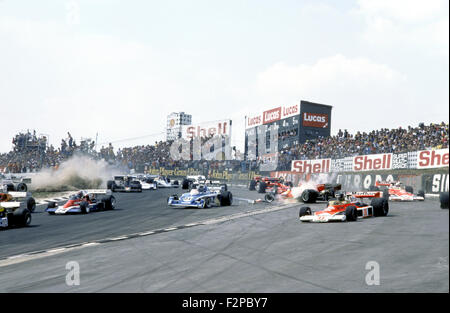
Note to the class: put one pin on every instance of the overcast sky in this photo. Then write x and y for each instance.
(119, 67)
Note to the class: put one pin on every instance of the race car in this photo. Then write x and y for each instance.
(147, 182)
(348, 207)
(21, 197)
(124, 183)
(322, 192)
(14, 213)
(397, 191)
(190, 181)
(165, 182)
(202, 197)
(261, 184)
(84, 201)
(13, 183)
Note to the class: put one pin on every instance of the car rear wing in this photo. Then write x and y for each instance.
(99, 191)
(19, 194)
(366, 194)
(10, 205)
(383, 183)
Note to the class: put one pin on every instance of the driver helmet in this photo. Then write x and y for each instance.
(341, 196)
(201, 188)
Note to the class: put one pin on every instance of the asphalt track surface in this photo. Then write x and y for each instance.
(267, 252)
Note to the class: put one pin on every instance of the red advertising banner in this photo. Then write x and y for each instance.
(315, 120)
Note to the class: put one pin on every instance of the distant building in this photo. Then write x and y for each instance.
(175, 122)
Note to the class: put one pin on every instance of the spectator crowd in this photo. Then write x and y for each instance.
(31, 152)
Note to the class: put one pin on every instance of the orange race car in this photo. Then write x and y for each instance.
(348, 207)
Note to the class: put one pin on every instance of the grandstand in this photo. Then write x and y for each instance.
(31, 153)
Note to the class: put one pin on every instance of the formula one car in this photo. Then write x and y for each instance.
(13, 183)
(322, 192)
(165, 182)
(262, 184)
(14, 213)
(396, 191)
(84, 201)
(202, 197)
(23, 198)
(190, 181)
(348, 207)
(124, 183)
(147, 182)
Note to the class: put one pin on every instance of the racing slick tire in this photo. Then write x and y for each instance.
(269, 197)
(22, 187)
(204, 203)
(351, 213)
(380, 206)
(31, 204)
(84, 207)
(10, 187)
(304, 210)
(109, 203)
(309, 196)
(207, 203)
(110, 185)
(421, 193)
(185, 184)
(22, 217)
(443, 199)
(252, 185)
(226, 198)
(409, 189)
(262, 187)
(225, 187)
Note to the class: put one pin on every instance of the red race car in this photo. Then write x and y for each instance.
(348, 207)
(313, 192)
(263, 184)
(397, 191)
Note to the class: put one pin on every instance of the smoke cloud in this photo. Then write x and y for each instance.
(79, 172)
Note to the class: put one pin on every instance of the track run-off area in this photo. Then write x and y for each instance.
(145, 246)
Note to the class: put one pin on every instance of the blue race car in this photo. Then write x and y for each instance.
(202, 197)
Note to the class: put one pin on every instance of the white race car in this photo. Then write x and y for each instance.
(399, 192)
(165, 182)
(147, 182)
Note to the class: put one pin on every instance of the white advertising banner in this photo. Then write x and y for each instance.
(432, 158)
